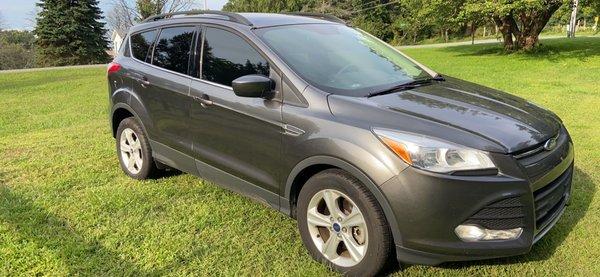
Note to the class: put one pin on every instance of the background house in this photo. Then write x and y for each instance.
(116, 37)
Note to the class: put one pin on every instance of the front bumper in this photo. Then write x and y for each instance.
(429, 206)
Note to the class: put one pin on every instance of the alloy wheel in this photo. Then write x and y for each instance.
(337, 227)
(131, 151)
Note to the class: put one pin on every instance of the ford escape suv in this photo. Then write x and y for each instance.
(373, 153)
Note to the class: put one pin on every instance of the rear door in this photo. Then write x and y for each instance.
(239, 135)
(163, 84)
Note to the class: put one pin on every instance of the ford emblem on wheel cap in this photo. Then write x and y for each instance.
(337, 227)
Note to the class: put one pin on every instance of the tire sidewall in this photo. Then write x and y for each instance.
(369, 265)
(148, 161)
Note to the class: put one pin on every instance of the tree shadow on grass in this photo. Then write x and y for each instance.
(583, 190)
(33, 224)
(554, 50)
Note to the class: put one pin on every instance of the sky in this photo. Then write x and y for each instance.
(18, 14)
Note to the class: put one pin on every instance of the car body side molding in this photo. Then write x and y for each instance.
(188, 164)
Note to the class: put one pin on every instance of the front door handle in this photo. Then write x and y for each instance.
(204, 101)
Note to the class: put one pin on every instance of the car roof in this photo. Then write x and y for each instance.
(252, 20)
(262, 20)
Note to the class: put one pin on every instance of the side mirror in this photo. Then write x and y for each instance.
(252, 86)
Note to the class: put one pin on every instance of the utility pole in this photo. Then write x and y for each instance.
(573, 23)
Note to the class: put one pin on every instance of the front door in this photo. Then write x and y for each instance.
(241, 136)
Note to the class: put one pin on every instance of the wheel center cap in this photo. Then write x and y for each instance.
(336, 227)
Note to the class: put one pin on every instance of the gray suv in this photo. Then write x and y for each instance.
(374, 154)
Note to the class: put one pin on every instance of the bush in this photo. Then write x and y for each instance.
(17, 49)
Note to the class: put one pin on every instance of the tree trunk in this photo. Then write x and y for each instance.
(531, 25)
(573, 21)
(473, 29)
(503, 26)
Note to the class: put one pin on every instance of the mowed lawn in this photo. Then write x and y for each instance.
(66, 207)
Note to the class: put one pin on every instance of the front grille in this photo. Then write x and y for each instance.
(500, 215)
(536, 163)
(550, 199)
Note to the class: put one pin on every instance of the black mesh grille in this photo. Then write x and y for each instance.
(503, 214)
(550, 199)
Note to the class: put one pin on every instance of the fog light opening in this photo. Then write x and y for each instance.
(473, 233)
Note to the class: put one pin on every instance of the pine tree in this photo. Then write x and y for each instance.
(70, 32)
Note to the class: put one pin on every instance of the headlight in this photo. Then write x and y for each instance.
(433, 154)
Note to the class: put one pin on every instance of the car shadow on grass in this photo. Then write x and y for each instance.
(583, 190)
(32, 224)
(555, 50)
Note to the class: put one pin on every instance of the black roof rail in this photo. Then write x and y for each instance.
(232, 16)
(323, 16)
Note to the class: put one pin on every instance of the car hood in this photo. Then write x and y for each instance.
(509, 121)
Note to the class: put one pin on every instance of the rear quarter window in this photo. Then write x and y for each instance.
(141, 44)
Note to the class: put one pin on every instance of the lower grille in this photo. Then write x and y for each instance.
(500, 215)
(550, 199)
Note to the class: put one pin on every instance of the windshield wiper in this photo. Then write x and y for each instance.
(406, 86)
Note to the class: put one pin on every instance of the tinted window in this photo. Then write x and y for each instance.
(141, 43)
(172, 50)
(228, 56)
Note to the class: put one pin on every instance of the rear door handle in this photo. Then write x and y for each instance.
(204, 101)
(144, 81)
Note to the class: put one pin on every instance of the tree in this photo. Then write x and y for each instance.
(522, 19)
(16, 49)
(70, 32)
(270, 6)
(125, 13)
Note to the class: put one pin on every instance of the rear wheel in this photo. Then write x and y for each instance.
(133, 149)
(342, 224)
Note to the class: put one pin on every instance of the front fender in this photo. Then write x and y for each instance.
(354, 171)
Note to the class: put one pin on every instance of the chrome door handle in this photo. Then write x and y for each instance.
(144, 81)
(204, 101)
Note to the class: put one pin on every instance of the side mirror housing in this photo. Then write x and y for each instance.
(252, 86)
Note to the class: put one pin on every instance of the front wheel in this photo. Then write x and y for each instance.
(342, 224)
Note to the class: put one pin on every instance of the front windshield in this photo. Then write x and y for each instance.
(339, 59)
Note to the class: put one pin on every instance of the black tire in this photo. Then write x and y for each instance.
(379, 245)
(148, 168)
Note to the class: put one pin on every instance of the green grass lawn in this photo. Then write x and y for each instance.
(66, 207)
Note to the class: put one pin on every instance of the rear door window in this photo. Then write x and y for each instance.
(173, 48)
(141, 44)
(227, 56)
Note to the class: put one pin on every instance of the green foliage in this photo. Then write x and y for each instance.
(147, 8)
(411, 21)
(70, 32)
(267, 5)
(16, 49)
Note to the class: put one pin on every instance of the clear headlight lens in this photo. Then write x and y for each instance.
(433, 154)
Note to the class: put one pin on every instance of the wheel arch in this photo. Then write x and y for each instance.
(315, 164)
(121, 111)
